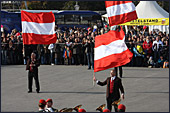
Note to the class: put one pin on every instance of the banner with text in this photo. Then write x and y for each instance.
(148, 21)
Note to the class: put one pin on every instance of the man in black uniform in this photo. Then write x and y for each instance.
(32, 66)
(114, 84)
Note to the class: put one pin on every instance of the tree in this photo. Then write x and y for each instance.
(69, 5)
(84, 5)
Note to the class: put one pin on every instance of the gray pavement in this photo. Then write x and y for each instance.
(146, 89)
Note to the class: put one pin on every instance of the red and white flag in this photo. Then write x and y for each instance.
(111, 51)
(38, 28)
(2, 29)
(119, 12)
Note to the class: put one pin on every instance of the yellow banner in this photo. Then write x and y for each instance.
(148, 21)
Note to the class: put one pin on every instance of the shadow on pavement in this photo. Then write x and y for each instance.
(72, 92)
(149, 77)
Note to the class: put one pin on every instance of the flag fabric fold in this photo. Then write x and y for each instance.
(111, 51)
(119, 12)
(38, 28)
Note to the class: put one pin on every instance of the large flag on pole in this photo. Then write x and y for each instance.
(38, 28)
(111, 51)
(119, 12)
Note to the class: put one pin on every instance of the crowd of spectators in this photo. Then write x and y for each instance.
(75, 46)
(148, 48)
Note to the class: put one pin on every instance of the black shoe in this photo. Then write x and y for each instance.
(29, 91)
(38, 91)
(89, 68)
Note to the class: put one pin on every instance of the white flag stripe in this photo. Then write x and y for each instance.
(125, 8)
(115, 47)
(38, 28)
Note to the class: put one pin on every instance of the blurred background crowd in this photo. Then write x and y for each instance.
(75, 46)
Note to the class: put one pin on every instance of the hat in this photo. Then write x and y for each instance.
(106, 110)
(122, 107)
(42, 101)
(49, 100)
(82, 110)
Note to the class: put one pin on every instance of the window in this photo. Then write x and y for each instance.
(72, 19)
(59, 19)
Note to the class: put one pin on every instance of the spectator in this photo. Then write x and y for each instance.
(156, 46)
(166, 64)
(138, 55)
(151, 62)
(147, 46)
(4, 47)
(165, 49)
(11, 52)
(18, 51)
(88, 52)
(130, 46)
(51, 48)
(160, 62)
(76, 52)
(57, 52)
(68, 43)
(40, 49)
(68, 56)
(83, 56)
(46, 55)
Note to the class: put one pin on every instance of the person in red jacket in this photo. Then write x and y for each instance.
(147, 46)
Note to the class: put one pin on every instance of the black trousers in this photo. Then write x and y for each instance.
(120, 71)
(32, 75)
(110, 100)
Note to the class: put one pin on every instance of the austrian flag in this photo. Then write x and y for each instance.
(119, 12)
(38, 28)
(111, 51)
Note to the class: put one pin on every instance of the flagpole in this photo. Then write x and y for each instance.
(93, 77)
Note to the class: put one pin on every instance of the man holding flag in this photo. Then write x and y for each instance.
(112, 92)
(111, 50)
(37, 28)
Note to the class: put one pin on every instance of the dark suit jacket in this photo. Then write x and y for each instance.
(117, 86)
(35, 68)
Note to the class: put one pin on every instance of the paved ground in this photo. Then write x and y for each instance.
(147, 89)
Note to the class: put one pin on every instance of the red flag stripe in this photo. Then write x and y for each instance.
(37, 17)
(123, 18)
(111, 3)
(113, 60)
(109, 37)
(31, 38)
